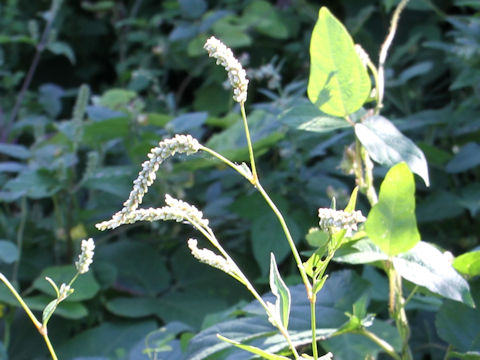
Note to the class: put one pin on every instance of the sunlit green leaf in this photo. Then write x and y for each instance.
(468, 263)
(391, 223)
(339, 83)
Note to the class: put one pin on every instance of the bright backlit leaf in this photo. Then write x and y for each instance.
(339, 83)
(391, 223)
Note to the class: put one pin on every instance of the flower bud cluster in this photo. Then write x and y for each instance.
(176, 210)
(236, 74)
(64, 291)
(86, 256)
(183, 144)
(335, 220)
(208, 257)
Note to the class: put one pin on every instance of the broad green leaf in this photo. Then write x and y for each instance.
(97, 133)
(432, 207)
(133, 258)
(267, 236)
(469, 355)
(339, 83)
(388, 146)
(232, 32)
(192, 9)
(426, 266)
(468, 263)
(470, 198)
(133, 307)
(105, 340)
(116, 99)
(362, 251)
(34, 184)
(253, 349)
(391, 223)
(281, 292)
(15, 151)
(340, 292)
(266, 19)
(307, 117)
(177, 306)
(354, 347)
(86, 287)
(8, 252)
(459, 325)
(466, 159)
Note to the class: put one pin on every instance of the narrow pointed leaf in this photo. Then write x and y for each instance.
(339, 83)
(253, 349)
(391, 223)
(281, 292)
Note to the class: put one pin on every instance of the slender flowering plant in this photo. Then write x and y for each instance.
(82, 265)
(177, 210)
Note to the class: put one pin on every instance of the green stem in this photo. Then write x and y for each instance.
(240, 276)
(25, 307)
(380, 342)
(225, 160)
(313, 322)
(293, 248)
(249, 143)
(49, 345)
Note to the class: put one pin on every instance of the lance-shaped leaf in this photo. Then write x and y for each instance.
(253, 349)
(391, 223)
(281, 292)
(339, 82)
(388, 146)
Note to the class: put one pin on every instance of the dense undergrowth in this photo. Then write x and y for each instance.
(88, 88)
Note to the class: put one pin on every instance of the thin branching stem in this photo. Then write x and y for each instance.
(389, 349)
(33, 66)
(249, 143)
(384, 51)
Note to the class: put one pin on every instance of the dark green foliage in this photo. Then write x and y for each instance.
(116, 77)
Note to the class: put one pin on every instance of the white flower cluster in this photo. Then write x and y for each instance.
(335, 220)
(208, 257)
(183, 144)
(86, 256)
(236, 73)
(176, 210)
(64, 292)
